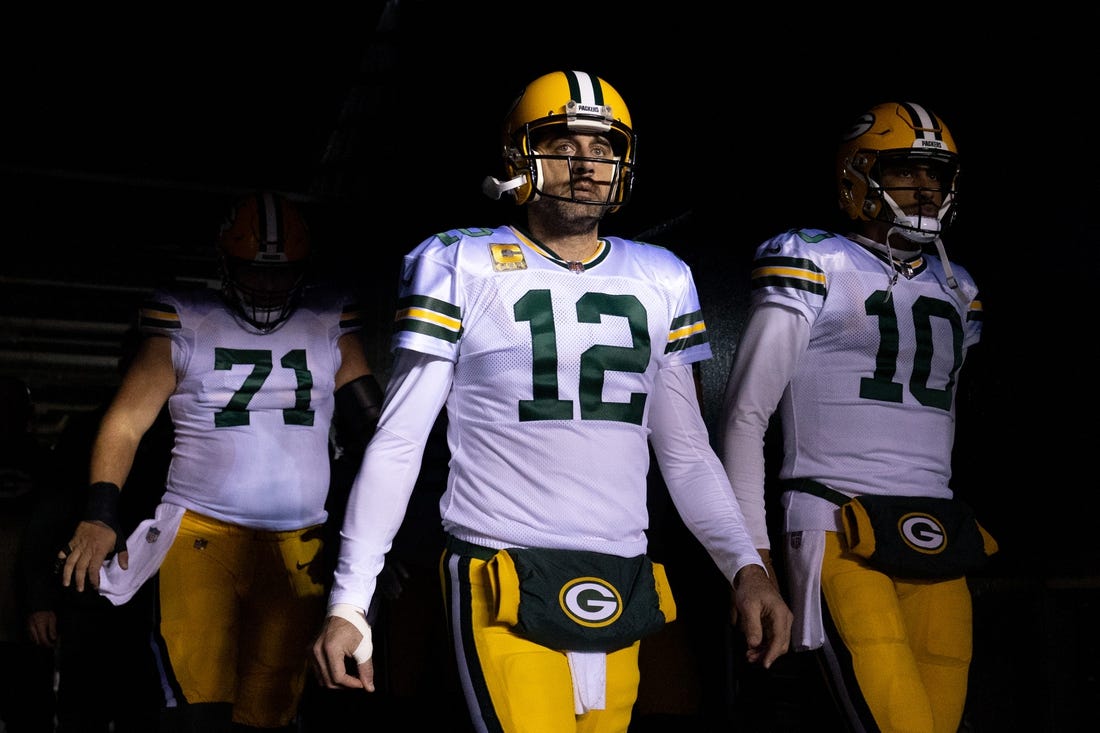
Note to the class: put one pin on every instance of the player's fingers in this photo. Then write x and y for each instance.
(74, 568)
(366, 675)
(322, 667)
(751, 627)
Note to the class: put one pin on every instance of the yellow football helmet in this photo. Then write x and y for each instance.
(887, 132)
(264, 249)
(583, 103)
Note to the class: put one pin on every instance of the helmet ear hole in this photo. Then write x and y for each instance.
(517, 166)
(846, 197)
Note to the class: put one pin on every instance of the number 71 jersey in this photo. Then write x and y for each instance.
(554, 365)
(251, 411)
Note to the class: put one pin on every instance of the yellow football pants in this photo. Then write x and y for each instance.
(238, 611)
(513, 685)
(908, 644)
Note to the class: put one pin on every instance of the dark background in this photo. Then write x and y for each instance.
(127, 136)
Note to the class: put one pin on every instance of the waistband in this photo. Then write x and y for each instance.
(809, 486)
(469, 549)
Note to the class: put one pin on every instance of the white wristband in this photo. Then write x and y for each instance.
(355, 617)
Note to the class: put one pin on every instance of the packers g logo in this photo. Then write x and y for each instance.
(865, 122)
(923, 533)
(591, 602)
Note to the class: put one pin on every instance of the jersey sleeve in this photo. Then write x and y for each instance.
(694, 475)
(774, 339)
(382, 488)
(351, 313)
(159, 315)
(788, 270)
(429, 307)
(688, 340)
(162, 314)
(973, 313)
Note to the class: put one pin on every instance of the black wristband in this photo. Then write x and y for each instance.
(103, 505)
(358, 406)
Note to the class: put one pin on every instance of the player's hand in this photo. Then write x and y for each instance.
(765, 619)
(334, 652)
(766, 556)
(42, 627)
(85, 554)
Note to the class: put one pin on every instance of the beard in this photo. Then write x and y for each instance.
(567, 218)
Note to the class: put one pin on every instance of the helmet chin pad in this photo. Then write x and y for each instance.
(920, 229)
(916, 228)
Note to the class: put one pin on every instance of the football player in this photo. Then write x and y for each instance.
(857, 341)
(252, 375)
(559, 354)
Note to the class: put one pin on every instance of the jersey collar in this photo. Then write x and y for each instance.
(603, 250)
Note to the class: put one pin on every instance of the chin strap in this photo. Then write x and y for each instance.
(908, 227)
(951, 281)
(886, 249)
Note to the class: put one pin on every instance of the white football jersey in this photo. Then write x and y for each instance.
(251, 411)
(871, 407)
(554, 364)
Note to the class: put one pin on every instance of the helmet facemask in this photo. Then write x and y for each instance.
(614, 173)
(264, 295)
(880, 205)
(264, 249)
